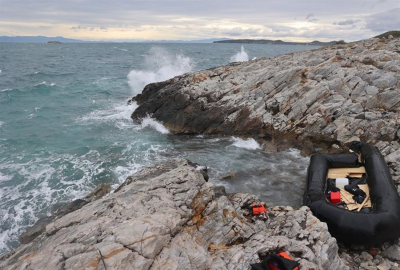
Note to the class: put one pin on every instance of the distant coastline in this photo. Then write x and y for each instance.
(279, 42)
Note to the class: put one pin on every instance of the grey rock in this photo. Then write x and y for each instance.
(393, 157)
(371, 116)
(168, 217)
(392, 253)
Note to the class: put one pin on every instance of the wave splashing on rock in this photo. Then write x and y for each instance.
(160, 65)
(250, 144)
(150, 122)
(240, 56)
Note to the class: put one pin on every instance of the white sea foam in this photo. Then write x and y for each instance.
(119, 112)
(150, 122)
(45, 83)
(5, 90)
(5, 177)
(250, 144)
(38, 191)
(160, 66)
(30, 201)
(120, 49)
(1, 123)
(240, 56)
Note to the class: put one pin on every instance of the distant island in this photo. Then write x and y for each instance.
(279, 42)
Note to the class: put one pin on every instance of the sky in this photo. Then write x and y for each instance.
(123, 20)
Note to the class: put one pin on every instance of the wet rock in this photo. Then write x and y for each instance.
(167, 216)
(72, 206)
(98, 193)
(37, 229)
(229, 176)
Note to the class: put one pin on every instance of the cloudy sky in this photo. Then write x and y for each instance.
(290, 20)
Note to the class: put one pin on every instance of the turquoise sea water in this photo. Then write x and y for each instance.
(65, 126)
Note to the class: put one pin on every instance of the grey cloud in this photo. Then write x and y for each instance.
(309, 16)
(77, 28)
(384, 21)
(346, 22)
(133, 14)
(90, 28)
(239, 31)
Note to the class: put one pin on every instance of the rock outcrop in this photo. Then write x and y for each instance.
(330, 95)
(168, 217)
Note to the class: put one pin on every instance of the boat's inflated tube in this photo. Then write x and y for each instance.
(381, 224)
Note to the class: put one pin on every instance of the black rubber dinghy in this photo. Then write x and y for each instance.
(355, 228)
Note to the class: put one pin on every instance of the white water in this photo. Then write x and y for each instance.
(160, 65)
(45, 83)
(240, 56)
(250, 144)
(149, 122)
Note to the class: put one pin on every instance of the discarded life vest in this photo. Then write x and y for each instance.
(258, 209)
(280, 261)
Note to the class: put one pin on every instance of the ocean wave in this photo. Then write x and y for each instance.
(120, 49)
(5, 177)
(46, 182)
(6, 89)
(250, 144)
(160, 66)
(116, 112)
(45, 83)
(1, 124)
(240, 56)
(150, 122)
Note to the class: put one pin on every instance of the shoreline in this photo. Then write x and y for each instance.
(230, 100)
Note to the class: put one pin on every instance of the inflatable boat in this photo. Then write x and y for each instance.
(381, 223)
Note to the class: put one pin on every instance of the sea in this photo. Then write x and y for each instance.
(65, 126)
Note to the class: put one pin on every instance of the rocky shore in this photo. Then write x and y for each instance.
(317, 99)
(169, 217)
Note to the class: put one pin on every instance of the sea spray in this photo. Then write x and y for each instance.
(240, 56)
(160, 65)
(114, 113)
(149, 122)
(250, 144)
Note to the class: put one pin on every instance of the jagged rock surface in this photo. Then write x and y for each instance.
(168, 217)
(333, 94)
